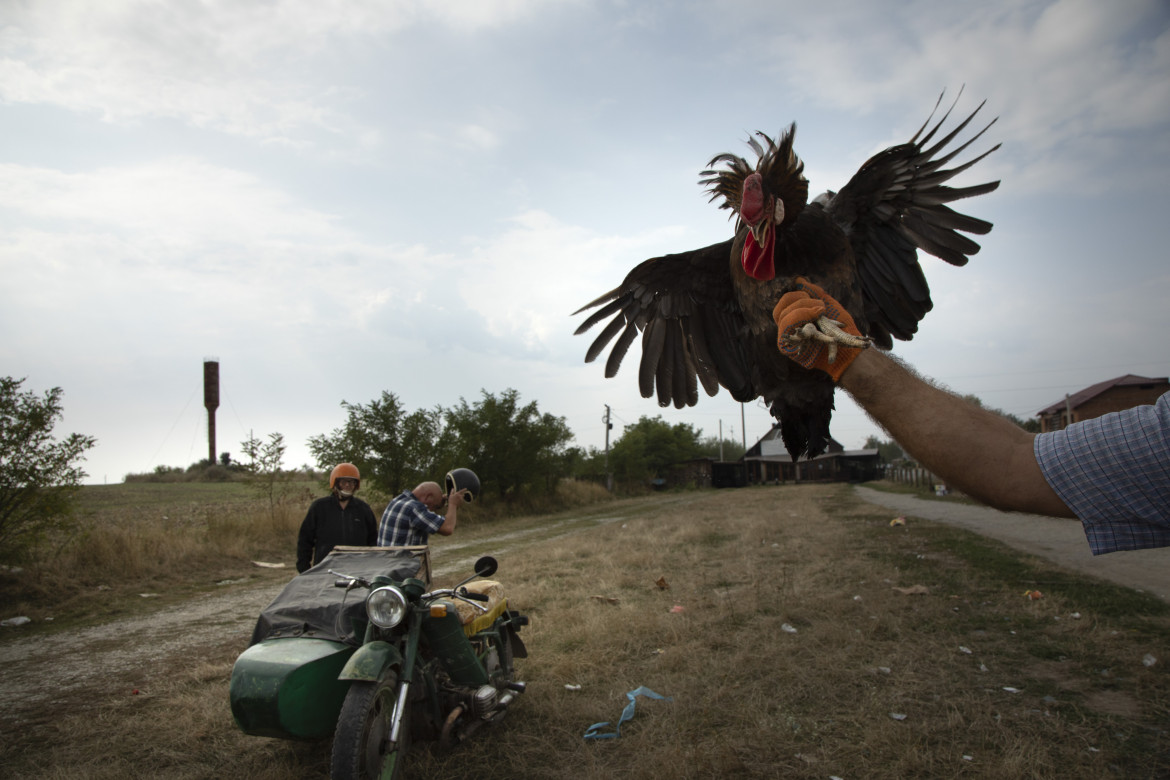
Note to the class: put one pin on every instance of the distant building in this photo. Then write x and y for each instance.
(703, 473)
(1114, 395)
(767, 461)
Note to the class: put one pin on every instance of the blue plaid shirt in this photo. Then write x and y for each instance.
(1113, 472)
(407, 521)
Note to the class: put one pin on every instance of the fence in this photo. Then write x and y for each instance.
(913, 475)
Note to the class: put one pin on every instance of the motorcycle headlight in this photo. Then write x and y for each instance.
(386, 607)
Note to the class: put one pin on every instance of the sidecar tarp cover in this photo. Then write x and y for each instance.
(312, 606)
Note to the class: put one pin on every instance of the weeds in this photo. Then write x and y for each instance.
(777, 631)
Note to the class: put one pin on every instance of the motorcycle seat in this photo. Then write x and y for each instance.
(472, 619)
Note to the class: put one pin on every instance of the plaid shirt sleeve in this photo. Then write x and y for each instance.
(407, 521)
(1113, 472)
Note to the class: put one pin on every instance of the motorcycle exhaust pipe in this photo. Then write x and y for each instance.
(515, 690)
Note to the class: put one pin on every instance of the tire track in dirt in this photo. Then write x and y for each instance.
(43, 672)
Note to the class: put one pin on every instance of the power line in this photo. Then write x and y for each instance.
(1078, 367)
(154, 459)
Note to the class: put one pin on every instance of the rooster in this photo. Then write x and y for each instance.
(705, 315)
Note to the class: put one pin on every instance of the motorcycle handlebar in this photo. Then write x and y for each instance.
(349, 580)
(473, 596)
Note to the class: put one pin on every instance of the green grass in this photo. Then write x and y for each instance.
(751, 698)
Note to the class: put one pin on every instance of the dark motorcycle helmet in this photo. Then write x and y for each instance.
(463, 481)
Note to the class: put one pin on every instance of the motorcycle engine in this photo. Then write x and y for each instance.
(484, 701)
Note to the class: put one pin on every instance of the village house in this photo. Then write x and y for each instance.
(1113, 395)
(768, 462)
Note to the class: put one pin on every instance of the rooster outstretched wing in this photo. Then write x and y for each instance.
(896, 204)
(690, 321)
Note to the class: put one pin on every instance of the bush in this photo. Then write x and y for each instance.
(38, 475)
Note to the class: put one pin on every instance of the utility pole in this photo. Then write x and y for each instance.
(743, 434)
(742, 427)
(721, 441)
(608, 427)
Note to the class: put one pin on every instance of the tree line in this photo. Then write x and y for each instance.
(512, 446)
(516, 450)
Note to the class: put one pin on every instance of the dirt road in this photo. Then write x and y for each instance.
(122, 655)
(1056, 539)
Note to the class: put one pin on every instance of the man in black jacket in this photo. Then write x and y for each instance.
(337, 519)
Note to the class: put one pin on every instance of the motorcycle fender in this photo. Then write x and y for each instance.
(518, 648)
(370, 660)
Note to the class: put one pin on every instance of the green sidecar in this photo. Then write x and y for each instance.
(286, 684)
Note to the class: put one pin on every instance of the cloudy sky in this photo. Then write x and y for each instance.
(341, 197)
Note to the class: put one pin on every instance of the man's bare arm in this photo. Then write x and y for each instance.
(454, 501)
(976, 451)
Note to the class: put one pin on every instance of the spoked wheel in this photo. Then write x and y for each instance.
(361, 746)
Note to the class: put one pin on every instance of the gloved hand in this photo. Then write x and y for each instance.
(806, 304)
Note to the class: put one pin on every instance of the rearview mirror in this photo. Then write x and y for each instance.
(486, 566)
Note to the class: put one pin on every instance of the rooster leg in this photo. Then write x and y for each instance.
(829, 332)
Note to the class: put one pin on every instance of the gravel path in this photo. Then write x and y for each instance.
(1056, 539)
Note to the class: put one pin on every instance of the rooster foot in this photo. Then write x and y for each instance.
(829, 332)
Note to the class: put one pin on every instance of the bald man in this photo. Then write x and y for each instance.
(411, 516)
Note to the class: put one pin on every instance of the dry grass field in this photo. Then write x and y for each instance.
(798, 634)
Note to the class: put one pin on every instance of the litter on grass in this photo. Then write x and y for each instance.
(913, 590)
(594, 731)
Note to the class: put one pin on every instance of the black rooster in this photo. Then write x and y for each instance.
(706, 315)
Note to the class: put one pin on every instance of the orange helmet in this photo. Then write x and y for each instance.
(344, 471)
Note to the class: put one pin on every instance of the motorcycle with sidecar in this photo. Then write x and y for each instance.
(359, 648)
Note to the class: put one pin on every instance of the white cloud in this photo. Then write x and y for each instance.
(174, 201)
(525, 281)
(263, 181)
(259, 70)
(1062, 76)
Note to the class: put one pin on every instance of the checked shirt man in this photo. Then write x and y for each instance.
(410, 517)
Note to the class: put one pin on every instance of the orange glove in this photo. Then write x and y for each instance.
(806, 304)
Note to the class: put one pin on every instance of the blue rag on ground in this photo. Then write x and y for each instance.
(593, 732)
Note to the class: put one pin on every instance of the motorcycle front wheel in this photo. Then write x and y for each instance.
(361, 750)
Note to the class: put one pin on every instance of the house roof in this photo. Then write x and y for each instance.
(1081, 396)
(770, 448)
(771, 443)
